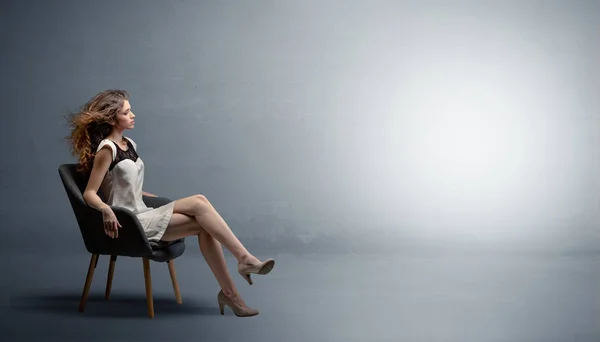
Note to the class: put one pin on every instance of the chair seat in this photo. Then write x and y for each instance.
(163, 251)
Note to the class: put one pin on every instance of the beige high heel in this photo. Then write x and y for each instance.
(261, 268)
(237, 310)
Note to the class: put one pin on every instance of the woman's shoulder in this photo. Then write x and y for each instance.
(111, 144)
(105, 142)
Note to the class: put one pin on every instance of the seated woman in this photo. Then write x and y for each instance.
(116, 169)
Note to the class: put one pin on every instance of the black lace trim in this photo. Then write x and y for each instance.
(122, 155)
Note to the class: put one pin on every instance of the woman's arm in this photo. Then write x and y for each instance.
(100, 166)
(102, 161)
(148, 194)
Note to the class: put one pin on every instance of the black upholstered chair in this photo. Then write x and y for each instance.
(131, 241)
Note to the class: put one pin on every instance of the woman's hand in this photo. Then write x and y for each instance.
(111, 224)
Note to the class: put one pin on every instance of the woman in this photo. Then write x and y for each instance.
(114, 167)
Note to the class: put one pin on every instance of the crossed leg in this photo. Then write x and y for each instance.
(195, 215)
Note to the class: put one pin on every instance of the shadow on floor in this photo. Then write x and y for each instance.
(119, 305)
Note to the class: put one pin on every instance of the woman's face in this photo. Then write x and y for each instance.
(125, 117)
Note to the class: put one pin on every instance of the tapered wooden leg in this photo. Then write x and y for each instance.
(148, 280)
(174, 281)
(88, 281)
(111, 273)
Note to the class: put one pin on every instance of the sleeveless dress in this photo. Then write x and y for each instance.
(122, 187)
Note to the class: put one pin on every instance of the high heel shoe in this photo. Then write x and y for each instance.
(237, 310)
(261, 268)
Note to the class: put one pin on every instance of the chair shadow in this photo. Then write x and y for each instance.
(118, 305)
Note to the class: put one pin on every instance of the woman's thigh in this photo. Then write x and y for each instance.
(181, 226)
(192, 205)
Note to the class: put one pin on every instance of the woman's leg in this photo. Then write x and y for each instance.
(209, 219)
(183, 226)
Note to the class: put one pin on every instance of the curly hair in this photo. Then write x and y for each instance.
(93, 123)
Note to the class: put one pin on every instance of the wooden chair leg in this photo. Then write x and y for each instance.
(88, 281)
(174, 281)
(111, 273)
(148, 280)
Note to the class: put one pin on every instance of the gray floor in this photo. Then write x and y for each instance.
(312, 298)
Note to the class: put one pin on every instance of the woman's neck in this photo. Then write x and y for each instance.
(116, 136)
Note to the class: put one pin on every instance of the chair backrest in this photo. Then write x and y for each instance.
(131, 241)
(75, 183)
(73, 180)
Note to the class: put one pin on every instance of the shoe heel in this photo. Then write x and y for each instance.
(237, 310)
(248, 279)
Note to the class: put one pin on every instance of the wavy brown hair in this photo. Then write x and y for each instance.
(93, 123)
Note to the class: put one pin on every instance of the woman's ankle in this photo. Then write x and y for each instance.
(229, 292)
(247, 258)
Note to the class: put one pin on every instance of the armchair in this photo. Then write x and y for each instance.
(131, 242)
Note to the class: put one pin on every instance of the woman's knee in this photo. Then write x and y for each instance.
(193, 205)
(201, 204)
(202, 233)
(201, 198)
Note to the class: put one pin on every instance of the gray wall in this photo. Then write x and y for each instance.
(321, 126)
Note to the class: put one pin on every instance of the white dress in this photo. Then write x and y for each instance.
(122, 187)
